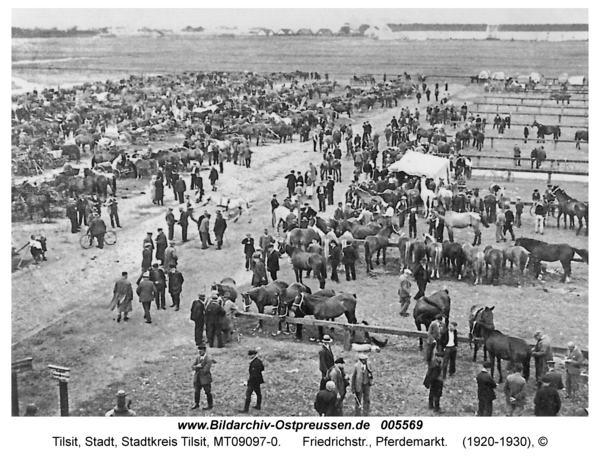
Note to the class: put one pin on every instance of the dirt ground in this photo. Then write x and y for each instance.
(60, 308)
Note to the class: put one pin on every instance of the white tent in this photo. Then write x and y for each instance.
(498, 76)
(536, 77)
(563, 77)
(577, 80)
(484, 74)
(418, 164)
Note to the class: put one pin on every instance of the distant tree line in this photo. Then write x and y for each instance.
(18, 32)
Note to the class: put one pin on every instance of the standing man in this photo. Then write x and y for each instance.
(337, 375)
(540, 216)
(197, 316)
(525, 134)
(214, 314)
(485, 391)
(184, 222)
(422, 278)
(402, 209)
(113, 211)
(547, 400)
(220, 226)
(573, 365)
(255, 380)
(517, 155)
(97, 229)
(148, 241)
(170, 218)
(554, 376)
(158, 278)
(122, 297)
(213, 176)
(272, 262)
(248, 243)
(171, 256)
(321, 196)
(264, 242)
(161, 246)
(518, 211)
(274, 203)
(203, 229)
(335, 257)
(326, 401)
(330, 185)
(175, 286)
(72, 216)
(500, 224)
(508, 224)
(146, 291)
(542, 353)
(412, 223)
(434, 335)
(259, 273)
(541, 157)
(326, 359)
(202, 378)
(514, 389)
(291, 183)
(180, 188)
(349, 259)
(534, 155)
(404, 292)
(434, 382)
(362, 379)
(450, 350)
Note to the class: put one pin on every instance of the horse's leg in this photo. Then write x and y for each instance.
(500, 369)
(299, 331)
(567, 271)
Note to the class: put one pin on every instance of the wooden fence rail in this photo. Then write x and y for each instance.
(539, 107)
(533, 140)
(560, 115)
(520, 124)
(530, 99)
(348, 328)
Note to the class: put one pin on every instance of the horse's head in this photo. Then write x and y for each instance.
(483, 220)
(247, 301)
(535, 124)
(485, 318)
(298, 304)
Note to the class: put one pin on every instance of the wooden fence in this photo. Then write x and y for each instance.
(347, 329)
(531, 99)
(539, 107)
(560, 115)
(533, 140)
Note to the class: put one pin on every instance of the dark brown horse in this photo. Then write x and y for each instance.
(301, 238)
(263, 296)
(324, 308)
(571, 207)
(302, 260)
(427, 308)
(494, 258)
(377, 243)
(546, 130)
(285, 299)
(580, 136)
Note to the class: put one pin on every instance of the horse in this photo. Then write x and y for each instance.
(228, 203)
(580, 135)
(404, 249)
(263, 296)
(517, 255)
(489, 204)
(324, 308)
(495, 258)
(434, 255)
(285, 299)
(280, 215)
(377, 243)
(306, 261)
(359, 231)
(367, 198)
(428, 307)
(571, 207)
(546, 130)
(227, 285)
(497, 344)
(542, 251)
(445, 197)
(453, 257)
(416, 252)
(454, 220)
(301, 238)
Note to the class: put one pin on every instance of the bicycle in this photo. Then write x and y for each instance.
(86, 240)
(494, 176)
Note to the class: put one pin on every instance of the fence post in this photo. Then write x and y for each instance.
(15, 394)
(559, 117)
(549, 176)
(492, 140)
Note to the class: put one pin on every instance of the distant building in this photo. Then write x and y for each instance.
(324, 32)
(264, 33)
(304, 32)
(284, 32)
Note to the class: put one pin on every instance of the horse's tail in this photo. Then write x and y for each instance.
(583, 253)
(559, 132)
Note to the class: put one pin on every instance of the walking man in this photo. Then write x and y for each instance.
(485, 391)
(255, 380)
(362, 379)
(337, 375)
(175, 286)
(197, 316)
(202, 378)
(404, 292)
(248, 243)
(291, 183)
(434, 382)
(517, 155)
(326, 359)
(122, 297)
(158, 278)
(184, 223)
(180, 188)
(264, 242)
(518, 211)
(203, 229)
(146, 291)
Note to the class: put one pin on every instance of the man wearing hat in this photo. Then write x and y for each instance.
(335, 257)
(327, 400)
(485, 391)
(228, 321)
(517, 155)
(171, 256)
(158, 278)
(122, 408)
(248, 243)
(265, 240)
(362, 379)
(255, 380)
(542, 353)
(326, 359)
(404, 292)
(122, 297)
(547, 400)
(435, 383)
(202, 378)
(321, 192)
(197, 316)
(146, 291)
(518, 212)
(291, 183)
(450, 349)
(175, 286)
(161, 246)
(402, 210)
(146, 257)
(214, 314)
(556, 380)
(179, 188)
(514, 390)
(274, 202)
(337, 375)
(412, 223)
(97, 229)
(113, 211)
(330, 187)
(573, 365)
(148, 241)
(349, 258)
(272, 261)
(219, 228)
(184, 216)
(170, 218)
(421, 275)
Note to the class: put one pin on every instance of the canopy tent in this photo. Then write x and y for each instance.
(563, 78)
(536, 77)
(577, 80)
(418, 164)
(484, 74)
(498, 76)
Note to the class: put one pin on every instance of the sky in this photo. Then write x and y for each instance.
(176, 19)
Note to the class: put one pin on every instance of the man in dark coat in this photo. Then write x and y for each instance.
(170, 218)
(322, 196)
(485, 391)
(146, 291)
(291, 183)
(349, 259)
(159, 193)
(97, 229)
(326, 401)
(508, 224)
(148, 241)
(220, 226)
(326, 359)
(259, 273)
(330, 185)
(157, 276)
(335, 257)
(72, 215)
(450, 345)
(81, 205)
(255, 380)
(421, 278)
(547, 400)
(213, 315)
(248, 243)
(184, 216)
(272, 262)
(113, 211)
(175, 286)
(525, 133)
(180, 188)
(202, 378)
(161, 246)
(434, 382)
(274, 202)
(197, 316)
(534, 155)
(213, 176)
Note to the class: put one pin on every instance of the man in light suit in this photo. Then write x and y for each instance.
(362, 379)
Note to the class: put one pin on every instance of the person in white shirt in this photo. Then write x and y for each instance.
(450, 351)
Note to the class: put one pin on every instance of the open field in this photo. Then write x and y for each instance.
(64, 320)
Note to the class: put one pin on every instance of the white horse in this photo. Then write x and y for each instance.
(445, 196)
(427, 196)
